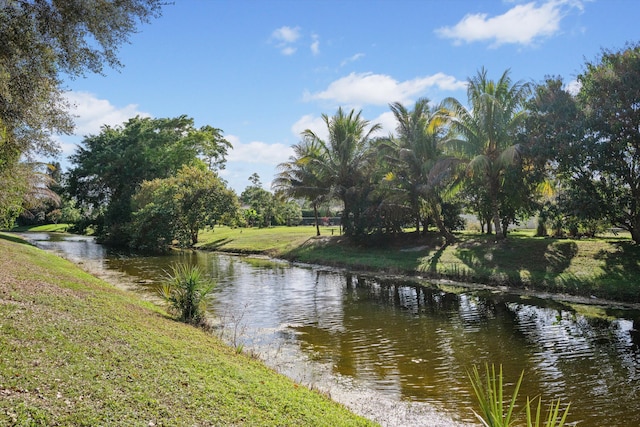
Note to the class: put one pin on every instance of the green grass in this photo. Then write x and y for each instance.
(76, 351)
(606, 267)
(55, 228)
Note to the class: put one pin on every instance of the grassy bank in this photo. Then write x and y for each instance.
(76, 351)
(606, 267)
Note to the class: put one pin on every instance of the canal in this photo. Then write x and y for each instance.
(399, 351)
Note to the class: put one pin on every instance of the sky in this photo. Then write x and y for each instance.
(263, 71)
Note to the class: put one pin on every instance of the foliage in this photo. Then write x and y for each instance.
(343, 162)
(485, 134)
(493, 412)
(186, 291)
(298, 178)
(110, 167)
(260, 203)
(418, 167)
(178, 207)
(610, 152)
(39, 41)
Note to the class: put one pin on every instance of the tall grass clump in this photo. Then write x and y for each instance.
(496, 412)
(186, 291)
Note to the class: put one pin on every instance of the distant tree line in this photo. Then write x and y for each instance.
(512, 151)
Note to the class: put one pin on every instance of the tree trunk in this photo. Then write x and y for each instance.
(315, 214)
(437, 216)
(495, 207)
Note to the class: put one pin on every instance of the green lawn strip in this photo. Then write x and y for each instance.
(606, 267)
(77, 351)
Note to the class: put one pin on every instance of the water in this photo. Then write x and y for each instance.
(398, 352)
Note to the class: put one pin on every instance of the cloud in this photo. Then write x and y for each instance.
(523, 24)
(380, 89)
(315, 45)
(573, 87)
(257, 152)
(91, 113)
(284, 38)
(314, 123)
(388, 122)
(286, 34)
(352, 59)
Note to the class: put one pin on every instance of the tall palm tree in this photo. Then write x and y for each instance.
(298, 178)
(487, 130)
(343, 159)
(416, 155)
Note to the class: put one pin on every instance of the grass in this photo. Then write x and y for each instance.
(606, 267)
(76, 351)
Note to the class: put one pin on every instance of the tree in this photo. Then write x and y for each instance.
(418, 164)
(261, 203)
(298, 178)
(39, 41)
(178, 207)
(342, 163)
(610, 100)
(487, 132)
(110, 166)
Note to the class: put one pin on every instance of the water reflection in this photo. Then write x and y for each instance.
(393, 341)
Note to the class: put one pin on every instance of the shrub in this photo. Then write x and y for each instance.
(187, 291)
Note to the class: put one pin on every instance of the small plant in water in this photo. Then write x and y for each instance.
(186, 292)
(494, 412)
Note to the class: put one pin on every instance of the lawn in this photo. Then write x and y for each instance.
(606, 267)
(76, 351)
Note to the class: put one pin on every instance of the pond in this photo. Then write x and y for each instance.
(398, 351)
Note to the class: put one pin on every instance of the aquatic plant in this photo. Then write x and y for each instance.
(186, 291)
(496, 412)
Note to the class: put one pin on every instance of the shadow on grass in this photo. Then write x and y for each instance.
(14, 238)
(621, 277)
(216, 244)
(519, 261)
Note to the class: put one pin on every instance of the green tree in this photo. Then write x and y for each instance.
(343, 161)
(178, 207)
(487, 132)
(297, 178)
(39, 42)
(109, 168)
(418, 164)
(610, 100)
(261, 203)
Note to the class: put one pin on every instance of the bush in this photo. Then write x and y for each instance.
(187, 291)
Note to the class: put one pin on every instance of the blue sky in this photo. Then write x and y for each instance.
(264, 70)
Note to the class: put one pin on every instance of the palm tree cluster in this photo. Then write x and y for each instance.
(387, 183)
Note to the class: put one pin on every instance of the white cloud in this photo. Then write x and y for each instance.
(314, 123)
(286, 34)
(352, 59)
(257, 152)
(288, 50)
(523, 24)
(285, 37)
(315, 45)
(573, 87)
(388, 122)
(91, 113)
(380, 89)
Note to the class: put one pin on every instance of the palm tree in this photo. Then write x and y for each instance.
(342, 160)
(298, 178)
(416, 155)
(487, 130)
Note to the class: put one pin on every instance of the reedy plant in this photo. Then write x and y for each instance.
(494, 411)
(186, 291)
